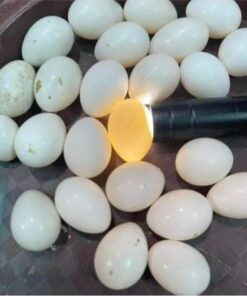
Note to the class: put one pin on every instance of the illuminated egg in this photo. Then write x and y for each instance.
(130, 130)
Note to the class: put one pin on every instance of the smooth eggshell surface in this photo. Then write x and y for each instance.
(204, 161)
(229, 197)
(180, 215)
(121, 257)
(16, 88)
(35, 224)
(49, 37)
(125, 42)
(179, 268)
(105, 84)
(180, 38)
(134, 186)
(83, 205)
(87, 149)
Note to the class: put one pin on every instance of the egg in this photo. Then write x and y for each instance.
(125, 42)
(180, 215)
(40, 140)
(204, 161)
(90, 18)
(181, 38)
(49, 37)
(87, 149)
(205, 76)
(121, 256)
(232, 53)
(133, 187)
(222, 17)
(57, 84)
(179, 268)
(105, 84)
(154, 78)
(8, 130)
(228, 198)
(83, 205)
(35, 224)
(151, 14)
(16, 88)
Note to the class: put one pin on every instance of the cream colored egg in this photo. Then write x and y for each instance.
(83, 205)
(121, 256)
(134, 186)
(181, 38)
(154, 78)
(179, 268)
(87, 149)
(204, 161)
(125, 42)
(180, 215)
(151, 14)
(229, 197)
(105, 84)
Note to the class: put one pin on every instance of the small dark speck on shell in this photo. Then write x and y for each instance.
(38, 86)
(111, 272)
(60, 81)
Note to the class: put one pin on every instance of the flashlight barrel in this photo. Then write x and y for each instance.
(199, 118)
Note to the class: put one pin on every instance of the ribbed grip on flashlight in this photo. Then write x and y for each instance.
(199, 118)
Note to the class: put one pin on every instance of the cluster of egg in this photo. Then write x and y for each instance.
(180, 215)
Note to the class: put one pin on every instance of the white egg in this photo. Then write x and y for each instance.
(154, 78)
(105, 84)
(221, 16)
(204, 161)
(181, 38)
(179, 268)
(57, 84)
(49, 37)
(133, 187)
(16, 88)
(87, 149)
(232, 53)
(180, 215)
(121, 257)
(83, 205)
(35, 224)
(151, 14)
(125, 42)
(205, 76)
(8, 130)
(90, 18)
(229, 197)
(40, 140)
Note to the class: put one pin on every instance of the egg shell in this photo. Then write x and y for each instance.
(221, 16)
(16, 88)
(154, 78)
(83, 205)
(57, 84)
(121, 256)
(87, 149)
(181, 38)
(204, 76)
(8, 130)
(179, 268)
(125, 42)
(49, 37)
(151, 14)
(105, 84)
(232, 53)
(90, 18)
(204, 161)
(180, 215)
(35, 224)
(40, 140)
(228, 198)
(134, 186)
